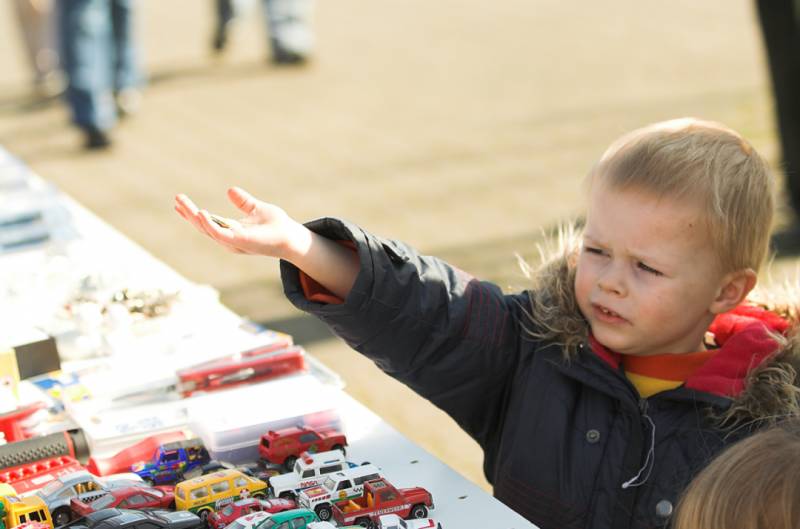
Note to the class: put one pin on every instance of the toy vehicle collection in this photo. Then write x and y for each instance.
(173, 462)
(379, 498)
(283, 447)
(344, 485)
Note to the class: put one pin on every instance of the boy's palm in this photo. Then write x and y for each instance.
(265, 229)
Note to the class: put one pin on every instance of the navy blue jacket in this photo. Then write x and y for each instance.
(561, 438)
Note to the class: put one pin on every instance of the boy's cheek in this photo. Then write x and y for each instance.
(582, 294)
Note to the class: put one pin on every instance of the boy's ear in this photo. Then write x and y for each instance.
(734, 287)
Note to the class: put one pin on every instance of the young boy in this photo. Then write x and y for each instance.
(599, 394)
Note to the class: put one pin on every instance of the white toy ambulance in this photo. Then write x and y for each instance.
(309, 470)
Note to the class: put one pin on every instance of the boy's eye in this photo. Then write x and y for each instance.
(649, 270)
(596, 251)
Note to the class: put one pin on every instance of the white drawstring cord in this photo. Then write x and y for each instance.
(647, 462)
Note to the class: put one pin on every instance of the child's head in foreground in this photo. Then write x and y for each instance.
(751, 485)
(676, 229)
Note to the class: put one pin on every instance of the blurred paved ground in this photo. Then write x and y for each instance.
(463, 127)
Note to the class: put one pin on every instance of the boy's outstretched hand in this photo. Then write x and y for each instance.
(267, 230)
(264, 230)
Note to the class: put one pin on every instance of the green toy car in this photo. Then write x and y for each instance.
(291, 519)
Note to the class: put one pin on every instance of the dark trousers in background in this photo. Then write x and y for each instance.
(99, 57)
(780, 26)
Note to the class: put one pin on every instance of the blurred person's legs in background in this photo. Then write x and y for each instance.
(127, 77)
(224, 15)
(98, 58)
(288, 24)
(290, 33)
(37, 23)
(781, 31)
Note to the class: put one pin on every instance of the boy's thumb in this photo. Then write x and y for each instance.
(243, 200)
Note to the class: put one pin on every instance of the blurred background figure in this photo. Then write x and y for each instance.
(780, 27)
(37, 23)
(288, 24)
(99, 58)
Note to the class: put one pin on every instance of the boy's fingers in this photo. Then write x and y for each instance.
(192, 219)
(224, 236)
(243, 200)
(187, 203)
(185, 214)
(186, 207)
(180, 211)
(204, 222)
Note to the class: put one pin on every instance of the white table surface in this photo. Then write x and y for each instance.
(459, 504)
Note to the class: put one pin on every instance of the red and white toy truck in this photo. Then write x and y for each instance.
(381, 497)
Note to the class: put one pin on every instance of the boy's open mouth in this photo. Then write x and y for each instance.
(606, 314)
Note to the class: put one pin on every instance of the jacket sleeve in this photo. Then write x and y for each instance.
(449, 337)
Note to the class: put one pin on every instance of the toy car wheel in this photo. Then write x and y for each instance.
(204, 515)
(419, 511)
(61, 516)
(340, 447)
(365, 522)
(289, 463)
(323, 512)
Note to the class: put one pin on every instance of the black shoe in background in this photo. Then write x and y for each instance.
(283, 57)
(225, 14)
(220, 40)
(96, 139)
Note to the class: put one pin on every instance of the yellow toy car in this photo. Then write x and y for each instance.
(206, 494)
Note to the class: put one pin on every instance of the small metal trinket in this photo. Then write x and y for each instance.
(219, 222)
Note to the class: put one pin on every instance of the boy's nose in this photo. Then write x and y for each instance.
(612, 281)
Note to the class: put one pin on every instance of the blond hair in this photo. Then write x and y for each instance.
(706, 161)
(751, 485)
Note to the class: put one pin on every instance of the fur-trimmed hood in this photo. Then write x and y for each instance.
(771, 389)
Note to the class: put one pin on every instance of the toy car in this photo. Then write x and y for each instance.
(212, 492)
(294, 519)
(16, 511)
(127, 498)
(129, 519)
(310, 470)
(392, 521)
(58, 493)
(239, 508)
(380, 498)
(173, 462)
(249, 521)
(285, 446)
(344, 485)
